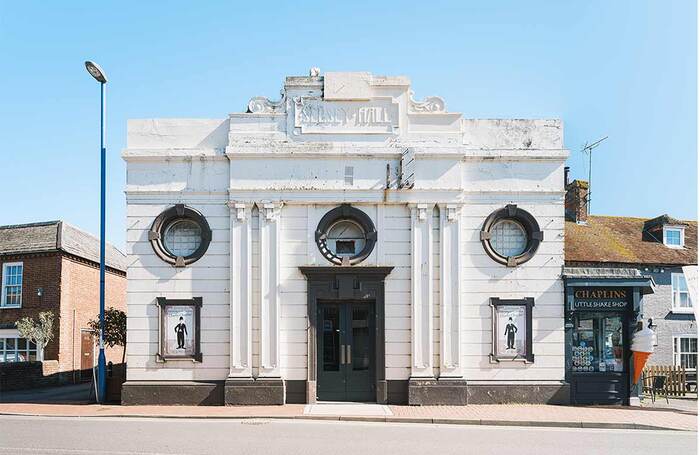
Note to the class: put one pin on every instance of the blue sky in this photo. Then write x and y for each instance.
(625, 69)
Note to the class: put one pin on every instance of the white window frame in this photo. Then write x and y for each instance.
(677, 355)
(3, 294)
(6, 334)
(675, 296)
(680, 229)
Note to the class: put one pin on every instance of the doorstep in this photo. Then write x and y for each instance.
(347, 409)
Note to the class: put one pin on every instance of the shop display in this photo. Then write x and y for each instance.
(642, 347)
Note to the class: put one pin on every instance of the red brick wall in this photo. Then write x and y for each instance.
(71, 290)
(40, 271)
(80, 302)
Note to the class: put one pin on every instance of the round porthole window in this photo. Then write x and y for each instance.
(346, 235)
(511, 236)
(180, 235)
(508, 238)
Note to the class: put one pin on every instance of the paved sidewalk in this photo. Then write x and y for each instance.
(522, 415)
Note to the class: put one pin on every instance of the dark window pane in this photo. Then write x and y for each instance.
(360, 338)
(331, 338)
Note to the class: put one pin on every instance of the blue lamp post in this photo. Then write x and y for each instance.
(99, 75)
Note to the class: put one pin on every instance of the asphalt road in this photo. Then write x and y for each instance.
(122, 436)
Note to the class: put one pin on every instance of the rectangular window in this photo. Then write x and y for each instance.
(673, 237)
(17, 350)
(11, 284)
(681, 298)
(685, 352)
(349, 175)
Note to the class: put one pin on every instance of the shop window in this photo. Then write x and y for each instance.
(597, 343)
(12, 285)
(511, 236)
(180, 235)
(13, 349)
(674, 237)
(346, 235)
(685, 352)
(681, 299)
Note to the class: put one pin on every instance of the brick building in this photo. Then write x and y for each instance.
(662, 249)
(53, 266)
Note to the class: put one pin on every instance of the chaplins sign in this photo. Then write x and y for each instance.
(313, 116)
(609, 299)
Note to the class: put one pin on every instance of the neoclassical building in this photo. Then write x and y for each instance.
(346, 242)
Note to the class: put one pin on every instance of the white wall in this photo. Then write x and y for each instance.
(149, 277)
(477, 166)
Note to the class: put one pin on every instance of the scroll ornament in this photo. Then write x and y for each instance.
(430, 105)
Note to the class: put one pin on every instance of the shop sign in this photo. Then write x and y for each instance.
(600, 299)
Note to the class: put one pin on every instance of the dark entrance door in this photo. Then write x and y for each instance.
(345, 350)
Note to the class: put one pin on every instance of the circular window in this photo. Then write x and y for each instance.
(346, 235)
(508, 238)
(180, 235)
(346, 238)
(511, 236)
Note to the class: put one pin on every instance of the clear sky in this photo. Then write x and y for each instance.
(625, 69)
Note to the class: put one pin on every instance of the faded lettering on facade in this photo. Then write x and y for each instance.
(345, 117)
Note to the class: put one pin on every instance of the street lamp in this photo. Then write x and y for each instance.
(99, 75)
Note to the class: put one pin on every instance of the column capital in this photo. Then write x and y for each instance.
(451, 210)
(421, 210)
(240, 210)
(269, 210)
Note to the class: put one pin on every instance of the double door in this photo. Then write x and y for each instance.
(346, 351)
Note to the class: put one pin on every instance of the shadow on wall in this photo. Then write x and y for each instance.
(41, 382)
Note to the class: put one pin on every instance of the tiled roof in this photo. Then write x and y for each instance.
(55, 236)
(617, 239)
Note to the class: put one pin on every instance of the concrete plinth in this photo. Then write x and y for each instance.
(254, 391)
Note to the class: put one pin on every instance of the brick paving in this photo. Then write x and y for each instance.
(531, 415)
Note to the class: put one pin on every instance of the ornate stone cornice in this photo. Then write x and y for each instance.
(430, 105)
(262, 105)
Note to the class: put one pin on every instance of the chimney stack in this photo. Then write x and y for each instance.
(576, 201)
(566, 175)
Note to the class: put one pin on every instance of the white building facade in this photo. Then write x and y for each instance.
(345, 242)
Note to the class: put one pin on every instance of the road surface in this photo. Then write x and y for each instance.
(126, 436)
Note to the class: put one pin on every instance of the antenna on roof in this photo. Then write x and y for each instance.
(588, 149)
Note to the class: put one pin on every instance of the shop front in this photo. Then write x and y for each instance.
(602, 310)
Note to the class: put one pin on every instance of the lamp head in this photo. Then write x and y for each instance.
(96, 72)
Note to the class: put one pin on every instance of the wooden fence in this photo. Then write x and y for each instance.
(676, 378)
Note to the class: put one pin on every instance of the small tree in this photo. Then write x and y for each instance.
(40, 332)
(114, 330)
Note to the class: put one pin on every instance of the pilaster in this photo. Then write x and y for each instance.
(421, 290)
(241, 291)
(450, 291)
(269, 290)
